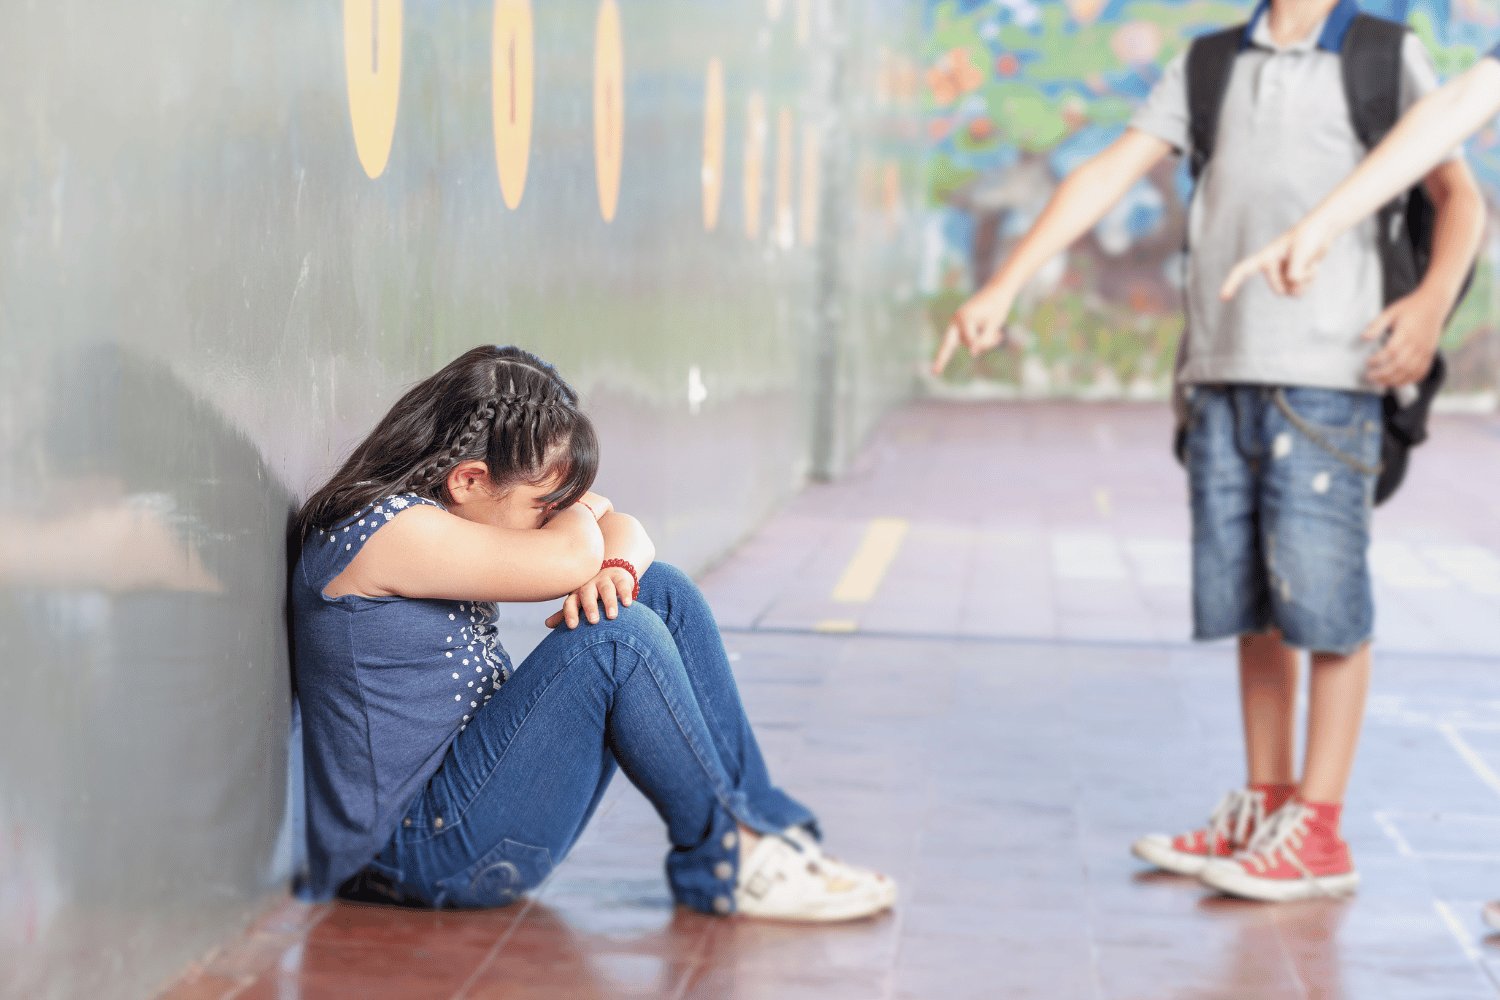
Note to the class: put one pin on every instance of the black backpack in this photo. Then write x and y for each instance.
(1371, 57)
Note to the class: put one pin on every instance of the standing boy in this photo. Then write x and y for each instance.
(1425, 134)
(1283, 430)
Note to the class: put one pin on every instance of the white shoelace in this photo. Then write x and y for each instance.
(1240, 811)
(1281, 835)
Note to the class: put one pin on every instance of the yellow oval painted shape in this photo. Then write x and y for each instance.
(372, 65)
(755, 160)
(783, 231)
(609, 107)
(512, 73)
(713, 143)
(807, 209)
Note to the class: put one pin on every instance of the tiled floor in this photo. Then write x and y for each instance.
(1017, 702)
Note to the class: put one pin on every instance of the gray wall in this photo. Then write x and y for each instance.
(205, 300)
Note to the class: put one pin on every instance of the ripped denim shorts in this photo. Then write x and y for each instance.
(1282, 484)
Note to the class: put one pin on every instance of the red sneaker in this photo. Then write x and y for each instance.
(1297, 854)
(1230, 826)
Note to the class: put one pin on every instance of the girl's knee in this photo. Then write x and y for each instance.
(636, 626)
(666, 577)
(672, 593)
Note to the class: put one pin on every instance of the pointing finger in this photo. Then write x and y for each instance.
(1237, 277)
(946, 349)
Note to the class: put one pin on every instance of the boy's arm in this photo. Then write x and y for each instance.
(1079, 202)
(1428, 131)
(1416, 322)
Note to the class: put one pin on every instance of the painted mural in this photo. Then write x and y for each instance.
(1018, 93)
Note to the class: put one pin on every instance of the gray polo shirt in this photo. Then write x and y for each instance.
(1285, 142)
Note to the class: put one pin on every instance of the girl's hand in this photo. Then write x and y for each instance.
(612, 586)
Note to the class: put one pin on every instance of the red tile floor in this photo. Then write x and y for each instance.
(1013, 703)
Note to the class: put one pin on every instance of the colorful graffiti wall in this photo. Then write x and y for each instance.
(1018, 93)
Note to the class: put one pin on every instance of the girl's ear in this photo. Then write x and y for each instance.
(468, 481)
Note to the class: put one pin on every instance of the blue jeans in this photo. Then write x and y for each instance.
(650, 690)
(1281, 512)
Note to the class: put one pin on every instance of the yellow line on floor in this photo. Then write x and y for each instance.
(883, 538)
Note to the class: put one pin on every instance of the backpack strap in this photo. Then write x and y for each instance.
(1371, 60)
(1210, 60)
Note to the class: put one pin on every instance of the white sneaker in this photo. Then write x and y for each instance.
(804, 839)
(783, 881)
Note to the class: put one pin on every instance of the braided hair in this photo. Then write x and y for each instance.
(500, 405)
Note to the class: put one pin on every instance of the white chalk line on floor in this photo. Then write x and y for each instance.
(1486, 774)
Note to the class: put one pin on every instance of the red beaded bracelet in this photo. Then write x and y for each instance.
(591, 510)
(629, 569)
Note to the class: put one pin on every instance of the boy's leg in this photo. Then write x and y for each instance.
(1231, 597)
(1335, 711)
(1315, 510)
(1268, 701)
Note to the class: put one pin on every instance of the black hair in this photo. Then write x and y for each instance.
(500, 405)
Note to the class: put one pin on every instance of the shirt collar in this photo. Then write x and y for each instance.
(1330, 33)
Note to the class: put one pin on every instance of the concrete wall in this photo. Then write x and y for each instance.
(209, 289)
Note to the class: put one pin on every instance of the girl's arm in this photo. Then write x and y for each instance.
(427, 552)
(1426, 134)
(624, 539)
(1079, 202)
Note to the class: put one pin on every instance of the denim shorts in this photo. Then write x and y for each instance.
(1282, 483)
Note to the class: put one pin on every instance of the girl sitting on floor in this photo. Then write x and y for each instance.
(439, 775)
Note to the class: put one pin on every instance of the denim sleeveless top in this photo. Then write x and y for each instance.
(385, 685)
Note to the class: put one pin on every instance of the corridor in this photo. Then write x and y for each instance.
(969, 655)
